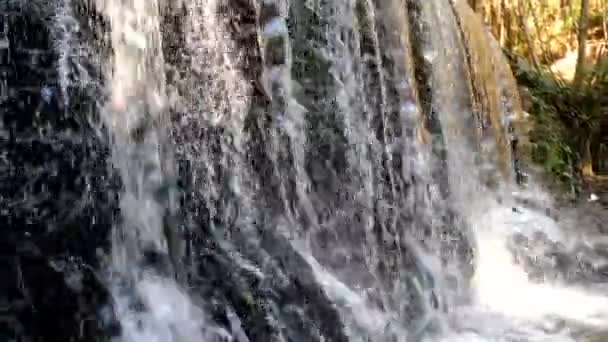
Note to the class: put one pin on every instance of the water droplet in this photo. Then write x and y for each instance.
(277, 26)
(430, 56)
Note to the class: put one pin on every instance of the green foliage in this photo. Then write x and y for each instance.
(556, 157)
(562, 115)
(550, 146)
(569, 119)
(552, 143)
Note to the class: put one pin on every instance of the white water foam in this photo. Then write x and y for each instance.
(506, 304)
(171, 316)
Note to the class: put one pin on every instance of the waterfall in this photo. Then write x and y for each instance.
(150, 305)
(313, 171)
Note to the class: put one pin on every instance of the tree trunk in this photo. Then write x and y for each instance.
(509, 29)
(586, 162)
(521, 15)
(538, 29)
(564, 5)
(476, 5)
(579, 74)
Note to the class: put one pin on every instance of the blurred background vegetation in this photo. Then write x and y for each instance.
(558, 50)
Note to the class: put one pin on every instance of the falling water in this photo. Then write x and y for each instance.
(311, 171)
(150, 306)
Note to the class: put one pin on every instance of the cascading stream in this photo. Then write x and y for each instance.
(313, 171)
(149, 304)
(135, 118)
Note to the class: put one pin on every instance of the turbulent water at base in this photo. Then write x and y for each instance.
(311, 171)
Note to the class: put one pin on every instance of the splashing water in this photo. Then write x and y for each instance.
(149, 305)
(507, 304)
(332, 182)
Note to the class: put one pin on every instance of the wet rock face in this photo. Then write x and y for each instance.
(56, 202)
(58, 197)
(279, 299)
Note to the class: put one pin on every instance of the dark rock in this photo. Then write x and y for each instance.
(56, 205)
